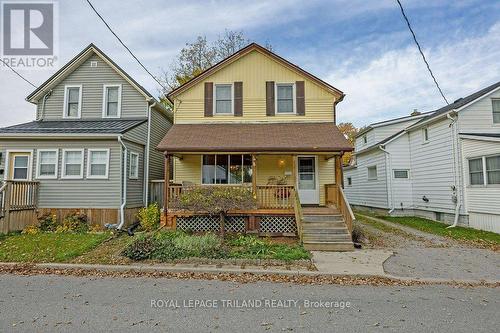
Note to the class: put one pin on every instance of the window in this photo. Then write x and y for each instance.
(496, 110)
(47, 163)
(111, 107)
(72, 163)
(97, 163)
(134, 166)
(21, 166)
(401, 174)
(365, 140)
(372, 173)
(226, 169)
(476, 171)
(493, 169)
(425, 135)
(284, 98)
(93, 64)
(349, 181)
(223, 99)
(72, 101)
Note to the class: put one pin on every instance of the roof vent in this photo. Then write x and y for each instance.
(458, 100)
(415, 112)
(93, 64)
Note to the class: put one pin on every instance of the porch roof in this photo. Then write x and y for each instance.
(275, 137)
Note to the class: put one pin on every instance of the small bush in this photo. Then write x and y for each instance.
(142, 248)
(208, 245)
(48, 222)
(76, 222)
(96, 228)
(149, 217)
(31, 230)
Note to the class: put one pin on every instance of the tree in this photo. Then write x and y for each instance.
(199, 55)
(216, 200)
(350, 131)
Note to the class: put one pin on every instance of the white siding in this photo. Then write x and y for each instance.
(363, 191)
(379, 133)
(478, 117)
(399, 159)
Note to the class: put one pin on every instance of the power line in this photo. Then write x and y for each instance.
(18, 74)
(421, 52)
(125, 46)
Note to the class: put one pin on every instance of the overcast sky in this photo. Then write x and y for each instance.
(361, 47)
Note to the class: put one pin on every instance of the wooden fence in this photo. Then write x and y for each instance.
(19, 204)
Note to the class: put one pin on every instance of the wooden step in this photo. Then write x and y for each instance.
(326, 238)
(323, 218)
(329, 246)
(326, 225)
(326, 231)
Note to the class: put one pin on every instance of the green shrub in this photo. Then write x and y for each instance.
(208, 245)
(141, 248)
(31, 230)
(75, 222)
(48, 222)
(149, 217)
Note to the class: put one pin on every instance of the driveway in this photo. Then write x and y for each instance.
(48, 303)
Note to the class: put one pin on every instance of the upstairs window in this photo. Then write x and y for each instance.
(112, 101)
(349, 181)
(476, 174)
(425, 135)
(365, 140)
(72, 102)
(223, 99)
(372, 173)
(284, 98)
(496, 111)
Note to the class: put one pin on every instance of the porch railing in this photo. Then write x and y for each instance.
(3, 186)
(298, 214)
(334, 194)
(18, 204)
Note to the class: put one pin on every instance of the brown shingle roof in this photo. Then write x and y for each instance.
(297, 137)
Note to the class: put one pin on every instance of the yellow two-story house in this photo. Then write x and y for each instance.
(257, 120)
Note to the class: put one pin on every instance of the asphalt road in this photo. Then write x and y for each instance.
(84, 304)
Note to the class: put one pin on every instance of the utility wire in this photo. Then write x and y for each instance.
(18, 74)
(421, 52)
(125, 46)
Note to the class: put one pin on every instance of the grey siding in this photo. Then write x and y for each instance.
(74, 193)
(135, 187)
(159, 127)
(138, 134)
(92, 79)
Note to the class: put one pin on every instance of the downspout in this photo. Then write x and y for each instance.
(45, 97)
(123, 184)
(455, 168)
(146, 167)
(388, 183)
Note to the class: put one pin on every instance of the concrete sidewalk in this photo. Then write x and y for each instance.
(359, 262)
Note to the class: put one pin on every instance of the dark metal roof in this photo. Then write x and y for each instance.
(271, 137)
(111, 126)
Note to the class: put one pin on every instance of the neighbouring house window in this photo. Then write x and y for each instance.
(98, 163)
(72, 163)
(73, 102)
(226, 169)
(401, 174)
(476, 171)
(47, 163)
(496, 111)
(365, 140)
(425, 134)
(493, 169)
(372, 173)
(284, 99)
(223, 99)
(112, 99)
(21, 164)
(134, 166)
(349, 181)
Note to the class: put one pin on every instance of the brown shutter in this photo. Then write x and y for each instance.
(300, 98)
(270, 98)
(238, 99)
(209, 99)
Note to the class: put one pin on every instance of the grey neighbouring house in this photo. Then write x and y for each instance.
(443, 165)
(90, 149)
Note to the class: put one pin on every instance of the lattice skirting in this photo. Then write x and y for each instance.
(278, 224)
(201, 223)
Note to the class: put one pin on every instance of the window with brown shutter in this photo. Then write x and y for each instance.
(270, 98)
(209, 99)
(300, 97)
(238, 99)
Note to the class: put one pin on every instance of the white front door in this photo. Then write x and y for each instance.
(307, 179)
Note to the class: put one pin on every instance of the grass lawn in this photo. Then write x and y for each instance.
(437, 228)
(47, 247)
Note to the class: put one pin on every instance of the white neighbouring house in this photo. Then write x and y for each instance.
(443, 165)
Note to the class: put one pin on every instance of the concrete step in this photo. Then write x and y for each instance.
(329, 246)
(323, 218)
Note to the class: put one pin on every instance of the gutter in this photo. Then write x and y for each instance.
(388, 182)
(45, 97)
